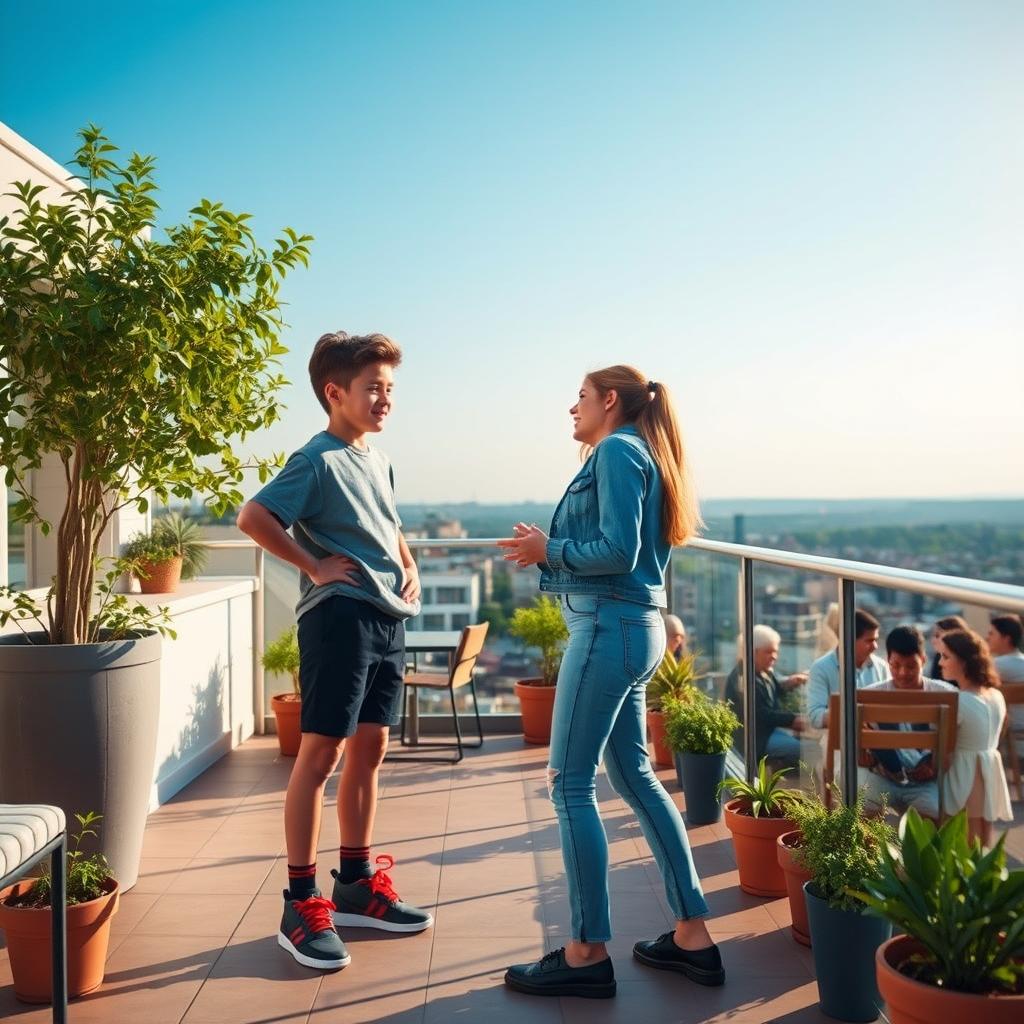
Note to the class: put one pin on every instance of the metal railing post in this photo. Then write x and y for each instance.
(847, 690)
(746, 616)
(258, 643)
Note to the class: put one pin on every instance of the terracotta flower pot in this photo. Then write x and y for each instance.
(754, 840)
(785, 847)
(656, 727)
(29, 931)
(537, 702)
(287, 709)
(914, 1002)
(161, 577)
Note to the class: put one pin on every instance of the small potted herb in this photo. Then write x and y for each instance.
(841, 849)
(675, 677)
(699, 731)
(962, 911)
(25, 917)
(543, 627)
(757, 814)
(154, 563)
(282, 658)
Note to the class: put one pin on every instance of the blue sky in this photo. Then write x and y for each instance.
(807, 218)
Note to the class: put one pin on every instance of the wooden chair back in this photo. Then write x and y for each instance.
(471, 644)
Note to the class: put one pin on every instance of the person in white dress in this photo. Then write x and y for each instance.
(975, 779)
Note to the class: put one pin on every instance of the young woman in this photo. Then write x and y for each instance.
(976, 779)
(610, 543)
(941, 627)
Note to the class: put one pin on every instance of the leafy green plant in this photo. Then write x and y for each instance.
(673, 677)
(764, 796)
(186, 537)
(148, 549)
(88, 875)
(841, 847)
(697, 725)
(962, 905)
(282, 657)
(138, 359)
(543, 627)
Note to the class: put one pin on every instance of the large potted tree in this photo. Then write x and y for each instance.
(543, 627)
(841, 850)
(674, 678)
(961, 910)
(131, 364)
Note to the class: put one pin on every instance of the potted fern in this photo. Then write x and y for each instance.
(962, 911)
(543, 627)
(26, 919)
(282, 658)
(699, 732)
(841, 849)
(758, 813)
(674, 678)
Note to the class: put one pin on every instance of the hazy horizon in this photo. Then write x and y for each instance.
(806, 219)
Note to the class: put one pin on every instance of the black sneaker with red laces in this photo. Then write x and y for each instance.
(307, 932)
(373, 903)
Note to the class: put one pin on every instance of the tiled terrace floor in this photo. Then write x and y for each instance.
(195, 942)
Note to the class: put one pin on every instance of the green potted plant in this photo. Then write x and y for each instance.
(757, 814)
(155, 563)
(131, 364)
(699, 732)
(26, 919)
(186, 537)
(675, 677)
(841, 849)
(961, 957)
(282, 658)
(543, 627)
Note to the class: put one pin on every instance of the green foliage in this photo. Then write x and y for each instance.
(282, 656)
(697, 725)
(87, 875)
(962, 904)
(492, 612)
(186, 538)
(149, 549)
(841, 847)
(139, 358)
(672, 678)
(765, 795)
(543, 627)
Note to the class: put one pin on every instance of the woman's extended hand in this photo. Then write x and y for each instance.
(526, 546)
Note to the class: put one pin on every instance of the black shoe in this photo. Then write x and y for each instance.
(703, 966)
(552, 976)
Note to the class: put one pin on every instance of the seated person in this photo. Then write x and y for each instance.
(1005, 635)
(905, 777)
(946, 625)
(675, 636)
(825, 671)
(775, 725)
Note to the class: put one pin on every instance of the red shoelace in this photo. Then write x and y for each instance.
(315, 912)
(380, 882)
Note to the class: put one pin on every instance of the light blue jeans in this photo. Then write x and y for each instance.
(613, 650)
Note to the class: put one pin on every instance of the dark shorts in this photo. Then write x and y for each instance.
(351, 666)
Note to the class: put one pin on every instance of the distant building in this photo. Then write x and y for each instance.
(451, 600)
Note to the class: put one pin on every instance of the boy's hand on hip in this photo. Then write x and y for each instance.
(411, 584)
(336, 569)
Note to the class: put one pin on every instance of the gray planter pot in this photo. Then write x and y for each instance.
(78, 726)
(699, 776)
(844, 944)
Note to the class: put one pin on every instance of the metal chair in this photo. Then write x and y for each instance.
(28, 834)
(460, 673)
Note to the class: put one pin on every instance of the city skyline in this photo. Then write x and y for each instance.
(806, 221)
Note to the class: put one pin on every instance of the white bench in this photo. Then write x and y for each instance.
(28, 834)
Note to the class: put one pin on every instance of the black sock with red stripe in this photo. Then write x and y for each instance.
(301, 880)
(354, 864)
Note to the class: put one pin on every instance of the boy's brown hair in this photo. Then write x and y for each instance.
(339, 356)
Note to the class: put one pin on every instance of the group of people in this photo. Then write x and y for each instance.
(964, 662)
(331, 512)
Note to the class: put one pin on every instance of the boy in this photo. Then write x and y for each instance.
(358, 584)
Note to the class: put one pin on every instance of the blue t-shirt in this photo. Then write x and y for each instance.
(339, 499)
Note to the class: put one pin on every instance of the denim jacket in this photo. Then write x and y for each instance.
(606, 536)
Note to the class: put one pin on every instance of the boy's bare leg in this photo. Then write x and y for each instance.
(357, 786)
(303, 803)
